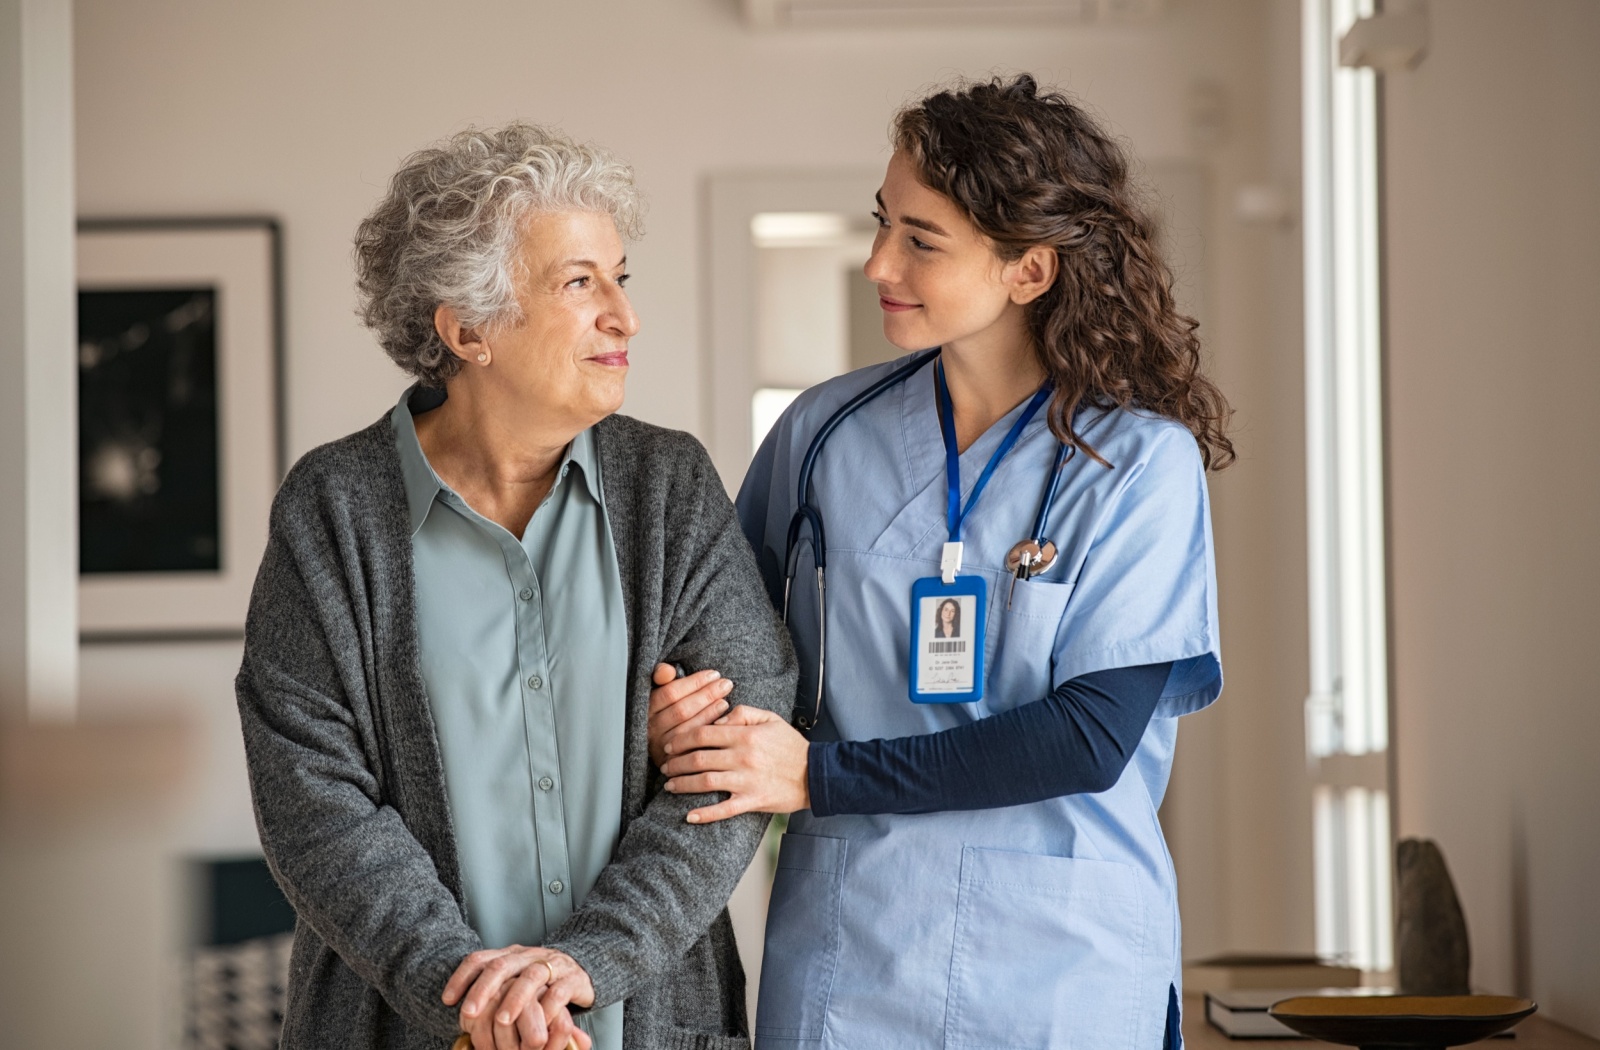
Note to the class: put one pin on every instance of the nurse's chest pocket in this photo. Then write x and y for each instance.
(1047, 954)
(1019, 653)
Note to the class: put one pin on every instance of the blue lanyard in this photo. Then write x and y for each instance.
(956, 513)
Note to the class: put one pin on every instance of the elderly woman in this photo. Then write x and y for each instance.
(446, 681)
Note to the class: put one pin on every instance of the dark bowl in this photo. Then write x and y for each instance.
(1401, 1022)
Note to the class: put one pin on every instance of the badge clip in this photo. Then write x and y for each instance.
(950, 562)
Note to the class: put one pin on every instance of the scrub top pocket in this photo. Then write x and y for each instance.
(1046, 954)
(1020, 649)
(802, 946)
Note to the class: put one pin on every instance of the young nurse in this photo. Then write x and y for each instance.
(974, 857)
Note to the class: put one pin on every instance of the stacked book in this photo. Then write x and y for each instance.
(1238, 989)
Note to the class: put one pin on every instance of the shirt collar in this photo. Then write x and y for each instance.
(583, 454)
(423, 485)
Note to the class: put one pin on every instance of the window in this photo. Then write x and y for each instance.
(1347, 711)
(817, 314)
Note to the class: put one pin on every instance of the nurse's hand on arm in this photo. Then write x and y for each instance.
(516, 999)
(1076, 740)
(753, 755)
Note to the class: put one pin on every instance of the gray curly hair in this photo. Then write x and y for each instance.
(447, 233)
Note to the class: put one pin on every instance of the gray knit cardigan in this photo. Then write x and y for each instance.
(349, 788)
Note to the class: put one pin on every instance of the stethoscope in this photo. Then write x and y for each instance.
(1026, 559)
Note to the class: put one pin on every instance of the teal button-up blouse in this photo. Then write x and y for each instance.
(524, 656)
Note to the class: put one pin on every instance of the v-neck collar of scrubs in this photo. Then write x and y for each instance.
(924, 440)
(422, 482)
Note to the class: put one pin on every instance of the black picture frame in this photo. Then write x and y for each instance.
(181, 421)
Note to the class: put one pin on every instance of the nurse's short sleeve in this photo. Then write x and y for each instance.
(762, 509)
(1146, 591)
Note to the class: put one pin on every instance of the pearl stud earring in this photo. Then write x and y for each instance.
(483, 359)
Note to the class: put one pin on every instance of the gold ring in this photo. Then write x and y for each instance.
(551, 970)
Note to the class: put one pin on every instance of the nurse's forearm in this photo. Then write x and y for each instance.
(1076, 740)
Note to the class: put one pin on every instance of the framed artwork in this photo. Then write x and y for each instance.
(180, 434)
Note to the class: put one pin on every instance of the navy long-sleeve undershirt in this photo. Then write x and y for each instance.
(1078, 739)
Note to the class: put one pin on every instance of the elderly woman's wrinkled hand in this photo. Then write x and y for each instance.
(679, 704)
(516, 998)
(561, 1032)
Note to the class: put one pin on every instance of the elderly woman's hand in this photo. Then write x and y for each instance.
(516, 998)
(677, 704)
(561, 1033)
(755, 756)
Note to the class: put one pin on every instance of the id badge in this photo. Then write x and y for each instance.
(947, 625)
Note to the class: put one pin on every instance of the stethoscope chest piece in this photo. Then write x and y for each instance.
(1028, 559)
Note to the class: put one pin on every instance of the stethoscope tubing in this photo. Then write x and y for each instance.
(806, 514)
(809, 464)
(1063, 453)
(809, 515)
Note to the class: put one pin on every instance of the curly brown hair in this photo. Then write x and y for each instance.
(1032, 168)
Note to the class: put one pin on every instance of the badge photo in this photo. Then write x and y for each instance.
(947, 631)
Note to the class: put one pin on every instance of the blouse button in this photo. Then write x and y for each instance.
(545, 783)
(535, 682)
(557, 886)
(526, 594)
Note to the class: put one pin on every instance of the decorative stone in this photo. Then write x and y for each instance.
(1433, 954)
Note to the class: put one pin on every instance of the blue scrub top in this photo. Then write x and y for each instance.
(1047, 925)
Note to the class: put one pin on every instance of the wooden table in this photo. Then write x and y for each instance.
(1535, 1033)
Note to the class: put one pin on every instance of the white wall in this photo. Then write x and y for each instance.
(38, 443)
(302, 109)
(1492, 161)
(192, 685)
